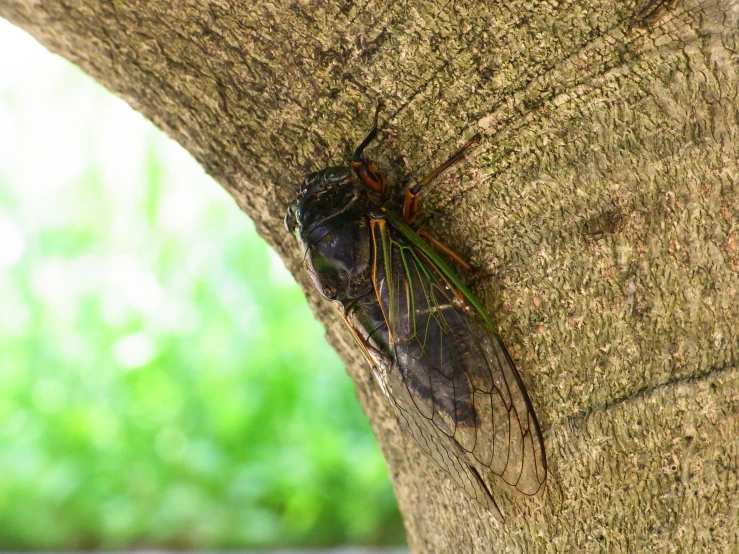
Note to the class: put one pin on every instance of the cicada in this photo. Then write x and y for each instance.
(433, 349)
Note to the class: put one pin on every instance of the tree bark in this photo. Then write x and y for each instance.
(603, 201)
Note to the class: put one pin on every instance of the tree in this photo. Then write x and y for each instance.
(603, 201)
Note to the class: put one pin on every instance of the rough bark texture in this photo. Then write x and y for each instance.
(603, 200)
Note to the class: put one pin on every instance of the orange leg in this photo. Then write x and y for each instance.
(365, 170)
(444, 248)
(410, 205)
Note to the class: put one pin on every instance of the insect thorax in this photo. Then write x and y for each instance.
(339, 261)
(332, 225)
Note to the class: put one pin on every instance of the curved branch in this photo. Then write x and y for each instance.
(603, 201)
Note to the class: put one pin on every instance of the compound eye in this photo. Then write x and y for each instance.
(290, 218)
(307, 182)
(336, 174)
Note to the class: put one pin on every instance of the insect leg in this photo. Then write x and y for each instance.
(438, 245)
(365, 170)
(410, 205)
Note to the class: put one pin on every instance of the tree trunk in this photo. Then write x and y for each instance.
(602, 200)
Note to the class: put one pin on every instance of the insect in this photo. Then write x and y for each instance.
(432, 347)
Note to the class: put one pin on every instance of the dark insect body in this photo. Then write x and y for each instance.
(432, 347)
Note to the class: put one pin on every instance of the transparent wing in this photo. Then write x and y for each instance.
(453, 384)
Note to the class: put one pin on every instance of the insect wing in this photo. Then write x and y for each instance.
(453, 386)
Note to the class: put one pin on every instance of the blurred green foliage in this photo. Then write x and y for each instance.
(162, 380)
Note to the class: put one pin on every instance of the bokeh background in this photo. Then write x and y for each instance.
(163, 382)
